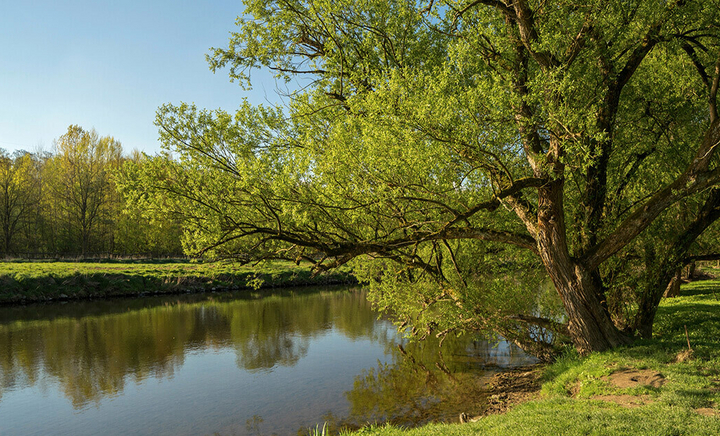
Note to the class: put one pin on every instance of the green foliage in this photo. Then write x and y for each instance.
(482, 293)
(20, 183)
(438, 139)
(137, 230)
(66, 203)
(79, 185)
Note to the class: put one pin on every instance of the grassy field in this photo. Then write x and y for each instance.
(654, 387)
(24, 282)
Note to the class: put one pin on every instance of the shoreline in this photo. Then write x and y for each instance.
(23, 283)
(669, 384)
(512, 387)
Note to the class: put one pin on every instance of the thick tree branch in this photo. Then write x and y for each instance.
(545, 323)
(690, 50)
(595, 196)
(525, 20)
(578, 43)
(700, 257)
(667, 268)
(638, 159)
(507, 193)
(710, 82)
(714, 92)
(696, 178)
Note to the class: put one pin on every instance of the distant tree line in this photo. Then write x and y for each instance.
(66, 203)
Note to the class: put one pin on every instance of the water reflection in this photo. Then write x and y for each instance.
(93, 356)
(297, 355)
(421, 385)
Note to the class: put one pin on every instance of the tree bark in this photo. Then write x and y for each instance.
(673, 288)
(589, 323)
(691, 270)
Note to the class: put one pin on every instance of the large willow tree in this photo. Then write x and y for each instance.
(435, 141)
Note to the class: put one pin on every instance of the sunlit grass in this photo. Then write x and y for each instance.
(41, 281)
(560, 417)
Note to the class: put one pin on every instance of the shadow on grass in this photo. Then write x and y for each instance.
(703, 287)
(687, 372)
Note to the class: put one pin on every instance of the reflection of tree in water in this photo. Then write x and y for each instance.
(425, 383)
(93, 356)
(275, 331)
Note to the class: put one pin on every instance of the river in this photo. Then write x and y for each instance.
(230, 364)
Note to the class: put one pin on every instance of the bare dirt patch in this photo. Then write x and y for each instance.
(507, 389)
(631, 378)
(708, 411)
(684, 355)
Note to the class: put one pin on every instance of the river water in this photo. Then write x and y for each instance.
(230, 364)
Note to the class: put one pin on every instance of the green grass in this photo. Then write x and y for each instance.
(22, 282)
(568, 404)
(560, 417)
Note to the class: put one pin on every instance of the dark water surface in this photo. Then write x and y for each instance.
(261, 364)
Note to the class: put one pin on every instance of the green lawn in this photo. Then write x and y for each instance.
(43, 281)
(575, 395)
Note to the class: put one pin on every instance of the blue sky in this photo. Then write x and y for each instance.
(108, 65)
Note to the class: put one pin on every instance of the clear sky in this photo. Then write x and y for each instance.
(108, 65)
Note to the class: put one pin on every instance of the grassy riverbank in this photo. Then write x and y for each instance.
(654, 387)
(25, 282)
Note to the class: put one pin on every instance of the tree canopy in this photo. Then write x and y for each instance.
(65, 203)
(437, 143)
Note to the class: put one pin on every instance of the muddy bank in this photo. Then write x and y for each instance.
(510, 388)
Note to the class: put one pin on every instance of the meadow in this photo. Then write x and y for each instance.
(27, 282)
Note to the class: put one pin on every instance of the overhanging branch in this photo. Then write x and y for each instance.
(545, 323)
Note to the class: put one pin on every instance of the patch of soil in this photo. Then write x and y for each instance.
(708, 411)
(684, 355)
(625, 400)
(510, 388)
(631, 378)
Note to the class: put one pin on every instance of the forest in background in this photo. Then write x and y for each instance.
(65, 203)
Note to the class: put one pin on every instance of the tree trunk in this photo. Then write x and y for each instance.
(691, 269)
(665, 276)
(673, 288)
(589, 323)
(6, 240)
